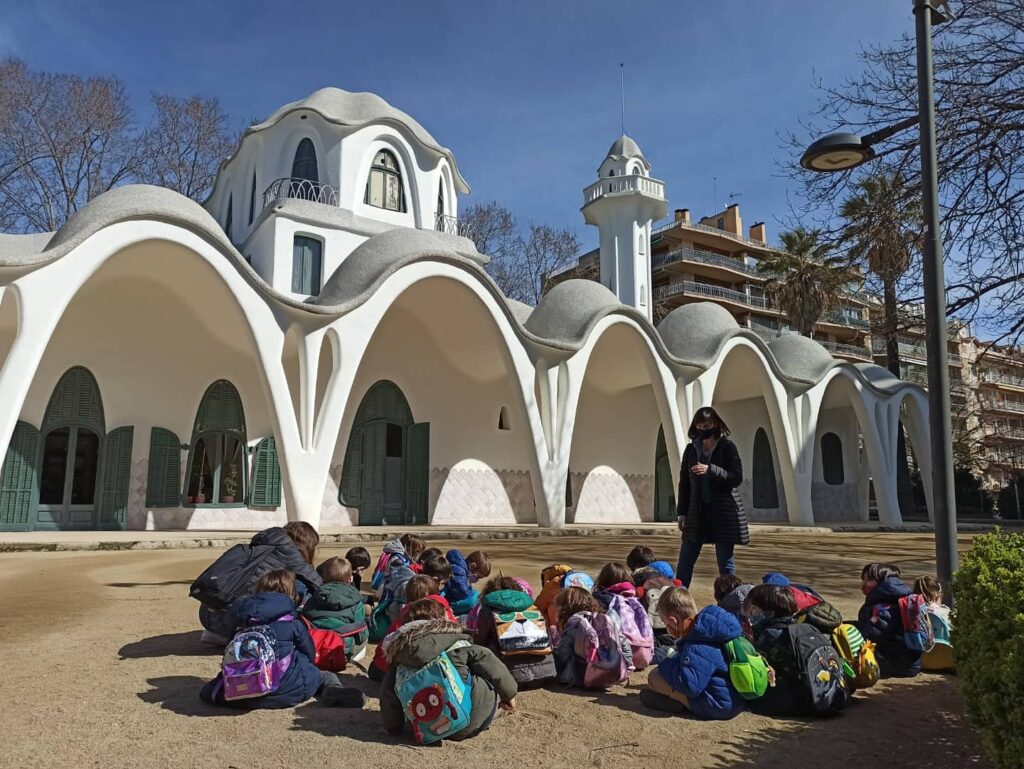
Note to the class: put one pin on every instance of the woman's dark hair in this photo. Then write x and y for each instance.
(305, 538)
(708, 414)
(879, 572)
(612, 574)
(772, 599)
(640, 556)
(359, 557)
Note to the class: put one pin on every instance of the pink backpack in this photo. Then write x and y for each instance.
(597, 640)
(636, 627)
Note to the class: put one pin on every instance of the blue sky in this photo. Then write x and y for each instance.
(526, 94)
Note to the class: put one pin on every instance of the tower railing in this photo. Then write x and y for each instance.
(608, 185)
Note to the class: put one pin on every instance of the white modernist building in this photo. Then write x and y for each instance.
(319, 343)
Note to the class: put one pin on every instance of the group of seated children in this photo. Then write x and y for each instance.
(450, 654)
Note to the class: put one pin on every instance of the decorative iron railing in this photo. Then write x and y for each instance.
(449, 224)
(687, 254)
(301, 189)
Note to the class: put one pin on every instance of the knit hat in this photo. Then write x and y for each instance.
(776, 578)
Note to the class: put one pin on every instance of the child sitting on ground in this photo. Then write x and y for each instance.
(511, 626)
(804, 595)
(551, 579)
(359, 560)
(879, 620)
(337, 606)
(466, 570)
(614, 589)
(590, 650)
(640, 556)
(399, 553)
(652, 570)
(730, 593)
(696, 678)
(271, 636)
(433, 704)
(940, 657)
(416, 589)
(400, 566)
(649, 594)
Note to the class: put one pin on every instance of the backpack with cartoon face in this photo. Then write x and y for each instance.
(521, 632)
(435, 699)
(250, 667)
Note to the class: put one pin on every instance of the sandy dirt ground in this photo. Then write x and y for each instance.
(102, 666)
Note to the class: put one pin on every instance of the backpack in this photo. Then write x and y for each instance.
(435, 699)
(857, 655)
(819, 668)
(521, 632)
(329, 646)
(598, 642)
(822, 616)
(250, 667)
(635, 626)
(229, 576)
(653, 595)
(748, 670)
(578, 579)
(917, 624)
(379, 621)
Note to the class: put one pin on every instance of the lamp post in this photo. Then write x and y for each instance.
(843, 151)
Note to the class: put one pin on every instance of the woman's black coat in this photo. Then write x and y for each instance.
(725, 522)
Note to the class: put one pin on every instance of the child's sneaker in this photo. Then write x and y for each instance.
(342, 697)
(209, 637)
(651, 699)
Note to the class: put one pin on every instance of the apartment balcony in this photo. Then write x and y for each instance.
(695, 255)
(912, 351)
(692, 288)
(957, 387)
(674, 223)
(1001, 431)
(1002, 380)
(836, 348)
(1017, 407)
(301, 189)
(838, 318)
(611, 185)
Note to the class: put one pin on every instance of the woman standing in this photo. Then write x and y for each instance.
(709, 506)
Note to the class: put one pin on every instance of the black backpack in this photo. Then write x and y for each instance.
(230, 576)
(820, 668)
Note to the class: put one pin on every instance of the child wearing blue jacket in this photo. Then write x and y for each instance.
(273, 605)
(466, 570)
(696, 678)
(879, 620)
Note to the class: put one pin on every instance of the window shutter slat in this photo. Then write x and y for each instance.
(164, 469)
(117, 463)
(266, 476)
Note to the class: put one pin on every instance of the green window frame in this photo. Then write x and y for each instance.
(218, 454)
(307, 265)
(266, 474)
(164, 472)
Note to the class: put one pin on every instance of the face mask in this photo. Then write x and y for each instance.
(866, 588)
(709, 433)
(756, 620)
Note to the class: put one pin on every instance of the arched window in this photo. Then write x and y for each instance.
(229, 222)
(384, 187)
(832, 459)
(766, 492)
(304, 165)
(252, 197)
(307, 265)
(217, 458)
(503, 420)
(440, 199)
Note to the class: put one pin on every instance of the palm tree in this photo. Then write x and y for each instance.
(882, 232)
(804, 280)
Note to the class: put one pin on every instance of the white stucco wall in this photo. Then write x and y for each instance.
(744, 417)
(846, 501)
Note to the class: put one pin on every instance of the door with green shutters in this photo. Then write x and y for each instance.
(266, 474)
(417, 474)
(664, 488)
(19, 483)
(116, 474)
(371, 508)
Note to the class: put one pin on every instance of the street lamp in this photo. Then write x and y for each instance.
(843, 151)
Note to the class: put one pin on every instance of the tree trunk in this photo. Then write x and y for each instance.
(904, 487)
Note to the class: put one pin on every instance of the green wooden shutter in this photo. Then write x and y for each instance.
(19, 485)
(371, 511)
(351, 486)
(417, 473)
(664, 493)
(117, 466)
(75, 399)
(221, 409)
(164, 469)
(266, 475)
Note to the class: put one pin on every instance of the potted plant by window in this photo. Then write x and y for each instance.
(230, 485)
(201, 493)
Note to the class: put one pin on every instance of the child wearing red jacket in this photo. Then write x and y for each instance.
(417, 588)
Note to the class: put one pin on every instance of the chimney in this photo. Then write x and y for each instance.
(733, 222)
(682, 215)
(758, 232)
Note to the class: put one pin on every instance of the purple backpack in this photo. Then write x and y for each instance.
(250, 667)
(636, 628)
(597, 641)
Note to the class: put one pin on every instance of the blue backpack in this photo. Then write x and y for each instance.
(435, 699)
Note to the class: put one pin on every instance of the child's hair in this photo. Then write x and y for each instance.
(640, 556)
(437, 567)
(420, 587)
(879, 572)
(335, 570)
(928, 587)
(677, 602)
(413, 545)
(501, 582)
(425, 608)
(278, 581)
(724, 585)
(430, 552)
(772, 599)
(479, 563)
(305, 538)
(612, 574)
(573, 600)
(359, 557)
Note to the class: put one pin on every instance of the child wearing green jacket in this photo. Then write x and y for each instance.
(337, 605)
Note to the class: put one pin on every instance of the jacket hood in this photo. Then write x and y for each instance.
(555, 570)
(890, 590)
(417, 643)
(262, 608)
(397, 575)
(275, 537)
(733, 600)
(715, 626)
(394, 547)
(625, 589)
(507, 600)
(776, 578)
(456, 558)
(334, 596)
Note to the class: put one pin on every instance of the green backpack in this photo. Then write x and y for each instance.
(748, 670)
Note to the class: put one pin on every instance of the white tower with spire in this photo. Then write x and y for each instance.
(622, 203)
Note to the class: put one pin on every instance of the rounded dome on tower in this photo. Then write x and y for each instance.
(625, 147)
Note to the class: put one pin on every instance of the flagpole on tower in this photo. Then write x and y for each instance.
(622, 94)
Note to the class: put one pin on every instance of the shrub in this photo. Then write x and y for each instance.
(988, 638)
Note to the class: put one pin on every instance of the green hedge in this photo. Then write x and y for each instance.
(988, 638)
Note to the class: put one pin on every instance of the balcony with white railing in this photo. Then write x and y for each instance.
(1004, 380)
(914, 351)
(672, 223)
(300, 189)
(611, 185)
(692, 288)
(1004, 405)
(450, 225)
(687, 254)
(836, 348)
(839, 318)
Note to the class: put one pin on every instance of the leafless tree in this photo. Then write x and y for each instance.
(186, 144)
(64, 140)
(979, 72)
(548, 250)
